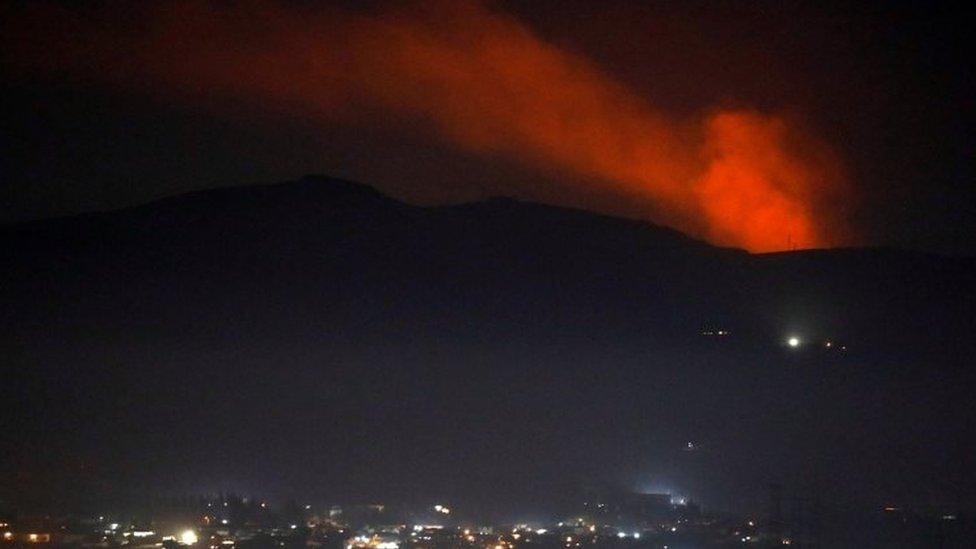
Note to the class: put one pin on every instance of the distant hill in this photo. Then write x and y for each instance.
(319, 337)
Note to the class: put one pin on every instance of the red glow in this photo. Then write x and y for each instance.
(485, 83)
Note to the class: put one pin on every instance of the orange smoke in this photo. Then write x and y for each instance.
(482, 81)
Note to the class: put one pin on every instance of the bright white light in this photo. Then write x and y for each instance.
(188, 537)
(636, 535)
(621, 534)
(793, 341)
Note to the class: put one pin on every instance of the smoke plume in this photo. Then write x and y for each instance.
(480, 79)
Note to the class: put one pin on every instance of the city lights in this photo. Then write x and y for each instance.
(188, 537)
(668, 522)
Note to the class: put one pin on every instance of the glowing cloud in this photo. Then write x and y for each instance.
(484, 82)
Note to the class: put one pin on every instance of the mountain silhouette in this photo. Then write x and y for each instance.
(316, 337)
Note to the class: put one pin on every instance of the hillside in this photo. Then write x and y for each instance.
(261, 338)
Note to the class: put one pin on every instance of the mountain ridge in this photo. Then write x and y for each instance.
(324, 190)
(478, 337)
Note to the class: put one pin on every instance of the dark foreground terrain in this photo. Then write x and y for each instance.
(318, 338)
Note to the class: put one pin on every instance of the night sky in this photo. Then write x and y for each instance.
(397, 328)
(759, 125)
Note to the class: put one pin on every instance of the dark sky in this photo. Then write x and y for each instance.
(319, 319)
(97, 115)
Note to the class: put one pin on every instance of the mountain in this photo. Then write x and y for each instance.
(319, 338)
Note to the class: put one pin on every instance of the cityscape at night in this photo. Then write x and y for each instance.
(487, 274)
(621, 520)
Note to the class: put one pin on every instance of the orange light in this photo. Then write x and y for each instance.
(486, 84)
